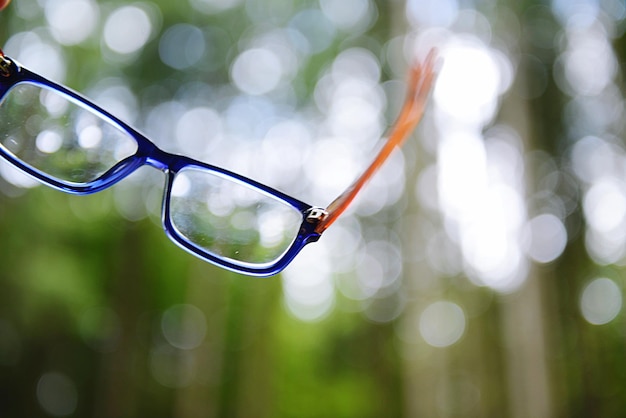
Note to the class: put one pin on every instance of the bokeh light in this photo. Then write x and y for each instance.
(350, 15)
(127, 29)
(56, 394)
(442, 323)
(257, 71)
(71, 21)
(471, 81)
(432, 12)
(548, 238)
(601, 301)
(182, 46)
(184, 326)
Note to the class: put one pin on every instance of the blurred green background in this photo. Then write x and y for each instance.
(481, 273)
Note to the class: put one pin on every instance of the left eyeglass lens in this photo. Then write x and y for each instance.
(231, 220)
(53, 134)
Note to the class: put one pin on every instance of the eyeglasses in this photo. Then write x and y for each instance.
(69, 143)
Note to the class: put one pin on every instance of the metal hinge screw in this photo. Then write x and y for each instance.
(316, 214)
(5, 66)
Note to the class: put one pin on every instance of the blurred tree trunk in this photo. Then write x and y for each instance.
(234, 365)
(511, 382)
(524, 312)
(554, 283)
(118, 369)
(201, 398)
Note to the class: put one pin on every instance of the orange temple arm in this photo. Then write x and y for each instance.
(421, 78)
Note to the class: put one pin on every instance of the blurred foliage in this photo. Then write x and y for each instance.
(100, 315)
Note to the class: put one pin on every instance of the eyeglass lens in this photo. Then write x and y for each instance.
(63, 140)
(230, 219)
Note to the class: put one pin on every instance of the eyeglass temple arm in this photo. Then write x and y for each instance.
(421, 78)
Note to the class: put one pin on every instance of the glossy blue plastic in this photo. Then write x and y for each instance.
(149, 154)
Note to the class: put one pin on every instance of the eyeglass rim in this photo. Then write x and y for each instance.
(148, 153)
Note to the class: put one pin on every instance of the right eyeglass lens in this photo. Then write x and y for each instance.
(230, 219)
(55, 135)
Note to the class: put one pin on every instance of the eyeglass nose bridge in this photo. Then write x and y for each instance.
(151, 155)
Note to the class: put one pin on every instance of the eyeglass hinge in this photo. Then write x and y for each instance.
(6, 65)
(316, 214)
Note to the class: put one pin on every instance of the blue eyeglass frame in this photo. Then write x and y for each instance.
(315, 220)
(12, 74)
